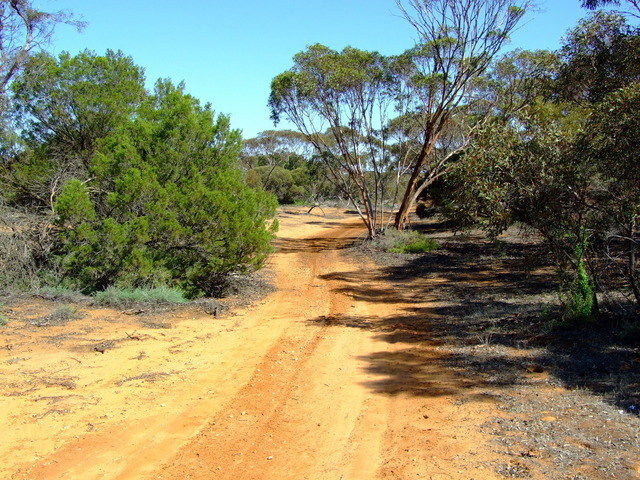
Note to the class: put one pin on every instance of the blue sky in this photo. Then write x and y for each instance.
(227, 51)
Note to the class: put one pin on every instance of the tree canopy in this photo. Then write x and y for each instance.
(567, 164)
(353, 95)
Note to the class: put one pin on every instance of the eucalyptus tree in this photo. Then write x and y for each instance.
(286, 148)
(286, 164)
(566, 164)
(457, 41)
(23, 29)
(599, 55)
(347, 95)
(610, 145)
(595, 4)
(353, 95)
(601, 72)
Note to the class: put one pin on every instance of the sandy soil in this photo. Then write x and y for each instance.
(319, 380)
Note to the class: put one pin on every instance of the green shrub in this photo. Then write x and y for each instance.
(166, 205)
(395, 241)
(3, 321)
(580, 301)
(424, 245)
(127, 297)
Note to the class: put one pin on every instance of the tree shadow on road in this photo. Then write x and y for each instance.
(480, 315)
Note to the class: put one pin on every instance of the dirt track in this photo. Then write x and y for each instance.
(314, 382)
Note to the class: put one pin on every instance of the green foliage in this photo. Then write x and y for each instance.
(531, 172)
(610, 143)
(283, 163)
(424, 245)
(595, 4)
(579, 301)
(76, 100)
(145, 189)
(3, 321)
(278, 181)
(128, 297)
(64, 107)
(405, 242)
(599, 56)
(525, 171)
(518, 80)
(172, 207)
(568, 166)
(74, 205)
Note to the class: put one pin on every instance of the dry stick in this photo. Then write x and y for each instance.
(316, 206)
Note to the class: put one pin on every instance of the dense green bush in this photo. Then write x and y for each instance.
(144, 188)
(168, 205)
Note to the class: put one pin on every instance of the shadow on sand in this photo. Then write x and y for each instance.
(475, 315)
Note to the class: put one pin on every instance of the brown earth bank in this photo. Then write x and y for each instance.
(355, 367)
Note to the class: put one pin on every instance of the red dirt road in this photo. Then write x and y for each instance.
(309, 383)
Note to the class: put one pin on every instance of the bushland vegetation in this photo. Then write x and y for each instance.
(565, 164)
(106, 184)
(547, 140)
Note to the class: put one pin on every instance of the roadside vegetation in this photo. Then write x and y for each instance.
(108, 189)
(408, 241)
(544, 140)
(107, 185)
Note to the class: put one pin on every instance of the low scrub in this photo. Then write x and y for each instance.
(127, 297)
(60, 316)
(406, 242)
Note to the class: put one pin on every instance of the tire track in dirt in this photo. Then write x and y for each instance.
(303, 414)
(324, 379)
(134, 448)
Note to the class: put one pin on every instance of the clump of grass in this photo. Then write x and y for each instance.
(3, 321)
(64, 312)
(423, 245)
(127, 297)
(406, 242)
